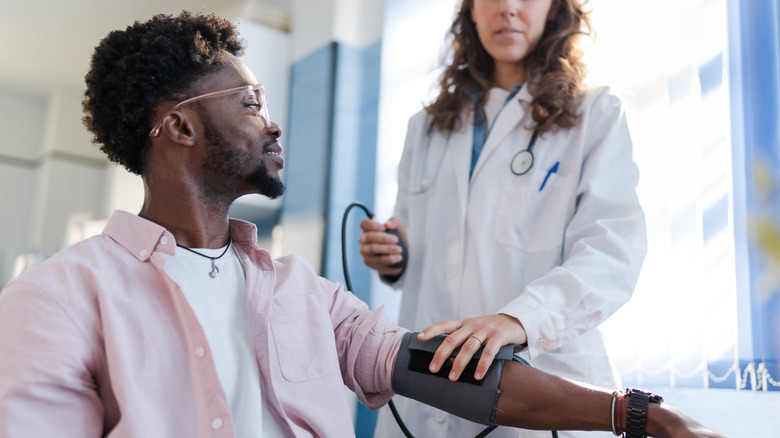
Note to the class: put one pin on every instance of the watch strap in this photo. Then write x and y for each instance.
(636, 413)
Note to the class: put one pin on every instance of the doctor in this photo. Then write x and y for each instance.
(517, 202)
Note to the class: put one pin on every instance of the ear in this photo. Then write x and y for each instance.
(178, 126)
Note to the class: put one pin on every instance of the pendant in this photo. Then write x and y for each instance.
(214, 269)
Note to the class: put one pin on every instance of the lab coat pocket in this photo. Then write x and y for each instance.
(531, 219)
(303, 334)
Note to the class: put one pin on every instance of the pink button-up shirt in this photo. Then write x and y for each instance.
(99, 341)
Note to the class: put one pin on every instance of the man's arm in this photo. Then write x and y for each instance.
(515, 394)
(46, 388)
(533, 399)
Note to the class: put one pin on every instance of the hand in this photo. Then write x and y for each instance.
(492, 331)
(380, 250)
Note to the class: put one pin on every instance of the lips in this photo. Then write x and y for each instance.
(274, 151)
(508, 31)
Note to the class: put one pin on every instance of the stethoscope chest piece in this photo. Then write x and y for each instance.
(522, 162)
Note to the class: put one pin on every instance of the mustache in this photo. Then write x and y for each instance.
(270, 143)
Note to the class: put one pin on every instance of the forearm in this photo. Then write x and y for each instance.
(533, 399)
(514, 394)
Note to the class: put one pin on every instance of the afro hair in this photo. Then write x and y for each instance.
(150, 62)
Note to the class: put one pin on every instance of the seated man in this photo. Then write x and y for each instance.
(173, 322)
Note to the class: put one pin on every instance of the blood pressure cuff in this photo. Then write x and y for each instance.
(474, 400)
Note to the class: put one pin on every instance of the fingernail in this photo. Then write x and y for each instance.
(421, 334)
(452, 376)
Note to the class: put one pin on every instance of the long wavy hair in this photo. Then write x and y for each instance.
(555, 70)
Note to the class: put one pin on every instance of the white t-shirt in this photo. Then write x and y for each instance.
(220, 306)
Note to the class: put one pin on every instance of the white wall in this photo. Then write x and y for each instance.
(17, 184)
(52, 175)
(315, 23)
(20, 143)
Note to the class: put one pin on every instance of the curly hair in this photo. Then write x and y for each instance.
(147, 63)
(555, 69)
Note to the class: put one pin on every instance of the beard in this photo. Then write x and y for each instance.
(223, 161)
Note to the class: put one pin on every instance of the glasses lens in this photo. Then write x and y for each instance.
(260, 91)
(257, 89)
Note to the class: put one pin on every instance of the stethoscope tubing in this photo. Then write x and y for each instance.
(424, 182)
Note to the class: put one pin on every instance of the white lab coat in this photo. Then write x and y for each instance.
(561, 259)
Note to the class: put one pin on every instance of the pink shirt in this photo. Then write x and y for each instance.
(99, 341)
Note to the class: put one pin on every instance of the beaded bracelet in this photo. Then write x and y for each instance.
(612, 412)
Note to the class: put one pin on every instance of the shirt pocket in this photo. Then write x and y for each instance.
(304, 339)
(530, 219)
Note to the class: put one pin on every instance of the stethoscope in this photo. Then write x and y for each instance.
(521, 163)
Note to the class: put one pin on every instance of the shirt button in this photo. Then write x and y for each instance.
(541, 344)
(216, 423)
(440, 417)
(452, 272)
(200, 351)
(144, 252)
(164, 240)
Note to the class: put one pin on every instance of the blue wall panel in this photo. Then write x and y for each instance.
(760, 91)
(308, 144)
(353, 158)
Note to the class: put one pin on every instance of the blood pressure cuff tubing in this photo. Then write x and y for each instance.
(474, 400)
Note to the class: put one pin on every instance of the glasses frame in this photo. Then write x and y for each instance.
(255, 87)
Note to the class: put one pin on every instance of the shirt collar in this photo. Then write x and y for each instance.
(142, 237)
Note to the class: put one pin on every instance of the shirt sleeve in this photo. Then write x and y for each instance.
(604, 242)
(368, 344)
(46, 388)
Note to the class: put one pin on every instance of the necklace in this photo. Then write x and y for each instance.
(214, 268)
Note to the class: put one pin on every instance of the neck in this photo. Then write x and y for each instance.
(193, 222)
(506, 76)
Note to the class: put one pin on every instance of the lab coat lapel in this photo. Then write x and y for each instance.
(510, 117)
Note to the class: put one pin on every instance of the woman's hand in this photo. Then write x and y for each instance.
(379, 249)
(492, 331)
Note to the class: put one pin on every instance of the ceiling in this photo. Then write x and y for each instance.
(47, 44)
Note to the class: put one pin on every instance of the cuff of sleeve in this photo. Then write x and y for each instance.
(535, 319)
(374, 370)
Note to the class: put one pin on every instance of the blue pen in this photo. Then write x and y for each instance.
(549, 172)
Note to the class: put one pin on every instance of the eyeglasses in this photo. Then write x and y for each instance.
(261, 105)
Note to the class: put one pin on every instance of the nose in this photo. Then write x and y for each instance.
(273, 130)
(509, 7)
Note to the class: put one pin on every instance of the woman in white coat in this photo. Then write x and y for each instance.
(517, 202)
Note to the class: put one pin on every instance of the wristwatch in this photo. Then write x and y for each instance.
(636, 414)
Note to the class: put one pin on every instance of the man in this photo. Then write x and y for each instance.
(173, 323)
